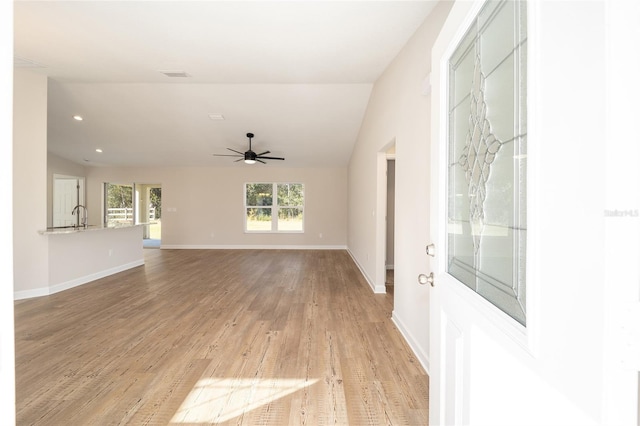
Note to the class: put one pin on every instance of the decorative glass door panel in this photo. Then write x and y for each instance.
(486, 158)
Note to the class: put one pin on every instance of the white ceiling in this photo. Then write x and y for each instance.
(297, 74)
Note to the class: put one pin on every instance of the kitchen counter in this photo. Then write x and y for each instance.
(74, 229)
(80, 255)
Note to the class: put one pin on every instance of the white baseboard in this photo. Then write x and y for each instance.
(249, 247)
(28, 294)
(421, 354)
(376, 289)
(56, 288)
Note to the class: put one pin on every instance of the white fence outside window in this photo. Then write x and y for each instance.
(125, 214)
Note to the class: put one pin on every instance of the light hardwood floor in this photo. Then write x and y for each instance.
(243, 337)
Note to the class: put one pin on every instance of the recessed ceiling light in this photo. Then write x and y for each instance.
(216, 116)
(77, 117)
(98, 149)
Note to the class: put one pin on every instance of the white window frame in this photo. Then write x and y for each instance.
(274, 208)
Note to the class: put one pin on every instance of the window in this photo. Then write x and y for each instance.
(487, 185)
(118, 204)
(274, 207)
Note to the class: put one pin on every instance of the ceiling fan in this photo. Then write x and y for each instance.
(249, 156)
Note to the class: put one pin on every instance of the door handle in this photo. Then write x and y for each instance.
(424, 279)
(431, 250)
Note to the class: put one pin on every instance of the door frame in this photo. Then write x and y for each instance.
(141, 212)
(380, 213)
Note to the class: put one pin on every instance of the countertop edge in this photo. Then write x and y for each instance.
(59, 231)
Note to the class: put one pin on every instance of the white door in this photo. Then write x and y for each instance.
(518, 220)
(479, 211)
(65, 197)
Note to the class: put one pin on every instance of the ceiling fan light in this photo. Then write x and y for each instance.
(250, 161)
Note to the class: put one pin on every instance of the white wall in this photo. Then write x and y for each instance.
(7, 354)
(570, 210)
(622, 188)
(30, 180)
(209, 207)
(398, 111)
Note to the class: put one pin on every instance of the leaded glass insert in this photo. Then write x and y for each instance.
(486, 184)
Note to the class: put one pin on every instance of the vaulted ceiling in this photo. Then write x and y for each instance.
(297, 74)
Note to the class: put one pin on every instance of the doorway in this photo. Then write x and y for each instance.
(385, 200)
(139, 204)
(149, 213)
(390, 241)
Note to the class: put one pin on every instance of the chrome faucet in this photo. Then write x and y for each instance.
(84, 217)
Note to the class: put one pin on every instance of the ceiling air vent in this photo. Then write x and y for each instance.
(175, 73)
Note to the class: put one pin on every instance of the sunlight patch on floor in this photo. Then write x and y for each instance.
(218, 400)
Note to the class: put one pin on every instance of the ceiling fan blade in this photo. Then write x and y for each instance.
(261, 161)
(227, 155)
(239, 159)
(263, 153)
(270, 158)
(241, 153)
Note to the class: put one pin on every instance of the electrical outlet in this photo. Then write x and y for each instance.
(110, 252)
